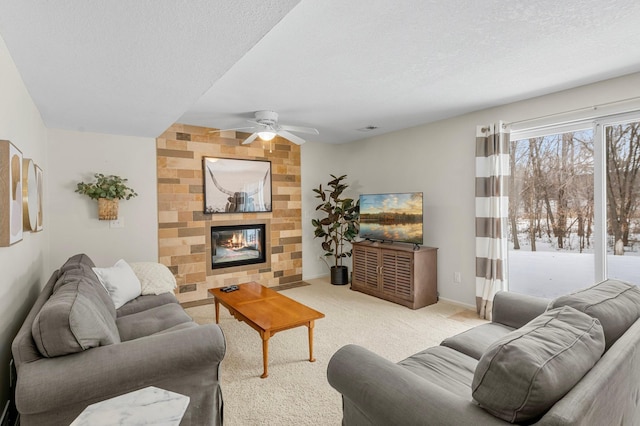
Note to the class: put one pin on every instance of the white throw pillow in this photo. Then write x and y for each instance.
(155, 278)
(120, 281)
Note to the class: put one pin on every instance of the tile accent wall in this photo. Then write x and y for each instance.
(184, 230)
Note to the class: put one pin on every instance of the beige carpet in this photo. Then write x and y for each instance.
(296, 391)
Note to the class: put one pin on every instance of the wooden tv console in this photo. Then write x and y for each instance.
(396, 272)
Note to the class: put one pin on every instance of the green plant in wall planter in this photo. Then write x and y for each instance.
(339, 225)
(108, 190)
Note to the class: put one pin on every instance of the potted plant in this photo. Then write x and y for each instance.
(338, 226)
(107, 189)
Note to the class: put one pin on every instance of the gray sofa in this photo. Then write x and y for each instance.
(75, 349)
(574, 360)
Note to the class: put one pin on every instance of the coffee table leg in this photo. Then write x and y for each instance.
(310, 326)
(265, 353)
(217, 311)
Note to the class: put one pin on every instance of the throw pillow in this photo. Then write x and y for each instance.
(615, 303)
(155, 278)
(120, 281)
(72, 320)
(87, 275)
(524, 373)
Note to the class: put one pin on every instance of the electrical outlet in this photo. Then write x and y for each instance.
(457, 277)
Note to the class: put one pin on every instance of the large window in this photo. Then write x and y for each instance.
(622, 159)
(574, 207)
(551, 213)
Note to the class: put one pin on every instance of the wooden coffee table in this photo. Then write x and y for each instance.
(267, 312)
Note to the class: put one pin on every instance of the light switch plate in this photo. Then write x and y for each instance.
(117, 223)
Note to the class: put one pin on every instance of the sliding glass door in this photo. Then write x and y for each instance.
(551, 215)
(574, 206)
(622, 194)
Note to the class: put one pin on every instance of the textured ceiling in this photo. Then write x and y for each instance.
(136, 67)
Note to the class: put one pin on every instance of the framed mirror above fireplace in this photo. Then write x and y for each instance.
(234, 185)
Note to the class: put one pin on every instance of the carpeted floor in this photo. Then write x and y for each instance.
(296, 391)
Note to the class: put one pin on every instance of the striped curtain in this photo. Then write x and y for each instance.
(492, 207)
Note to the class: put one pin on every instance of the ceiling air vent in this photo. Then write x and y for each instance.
(367, 129)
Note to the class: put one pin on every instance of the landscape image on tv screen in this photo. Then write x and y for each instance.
(391, 217)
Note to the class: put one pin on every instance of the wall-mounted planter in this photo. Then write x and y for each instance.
(108, 190)
(107, 209)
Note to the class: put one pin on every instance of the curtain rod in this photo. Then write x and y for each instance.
(583, 109)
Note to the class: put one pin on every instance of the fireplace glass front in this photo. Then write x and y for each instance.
(237, 245)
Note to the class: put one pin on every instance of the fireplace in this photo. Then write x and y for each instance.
(237, 245)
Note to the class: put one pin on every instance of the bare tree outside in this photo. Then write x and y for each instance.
(552, 191)
(623, 186)
(551, 209)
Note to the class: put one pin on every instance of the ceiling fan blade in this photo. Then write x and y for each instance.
(235, 128)
(299, 129)
(250, 139)
(293, 138)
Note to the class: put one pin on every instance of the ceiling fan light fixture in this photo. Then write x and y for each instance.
(266, 136)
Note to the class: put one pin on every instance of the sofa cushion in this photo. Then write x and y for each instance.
(178, 327)
(142, 303)
(615, 303)
(73, 319)
(445, 367)
(120, 281)
(83, 272)
(76, 261)
(527, 371)
(475, 341)
(155, 278)
(151, 321)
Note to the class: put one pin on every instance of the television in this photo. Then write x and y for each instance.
(391, 217)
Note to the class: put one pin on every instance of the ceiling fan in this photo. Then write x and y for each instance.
(266, 127)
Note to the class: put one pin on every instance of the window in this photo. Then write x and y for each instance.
(551, 200)
(622, 161)
(574, 206)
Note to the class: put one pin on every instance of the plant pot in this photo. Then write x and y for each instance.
(339, 275)
(107, 209)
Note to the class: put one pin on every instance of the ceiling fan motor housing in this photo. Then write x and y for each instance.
(268, 118)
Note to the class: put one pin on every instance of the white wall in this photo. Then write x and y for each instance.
(24, 265)
(319, 162)
(73, 218)
(439, 160)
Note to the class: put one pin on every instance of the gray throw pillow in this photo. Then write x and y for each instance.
(615, 303)
(87, 275)
(72, 320)
(524, 373)
(77, 261)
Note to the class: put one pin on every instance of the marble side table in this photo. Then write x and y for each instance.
(147, 406)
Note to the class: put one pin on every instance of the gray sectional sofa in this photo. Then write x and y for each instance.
(75, 349)
(574, 360)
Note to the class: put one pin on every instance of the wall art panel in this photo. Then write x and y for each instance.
(40, 185)
(10, 194)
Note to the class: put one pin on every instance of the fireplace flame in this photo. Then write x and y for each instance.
(237, 241)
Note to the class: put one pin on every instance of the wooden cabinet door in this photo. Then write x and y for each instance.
(365, 267)
(396, 274)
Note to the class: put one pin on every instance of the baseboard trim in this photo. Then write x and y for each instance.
(455, 302)
(289, 286)
(194, 303)
(314, 277)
